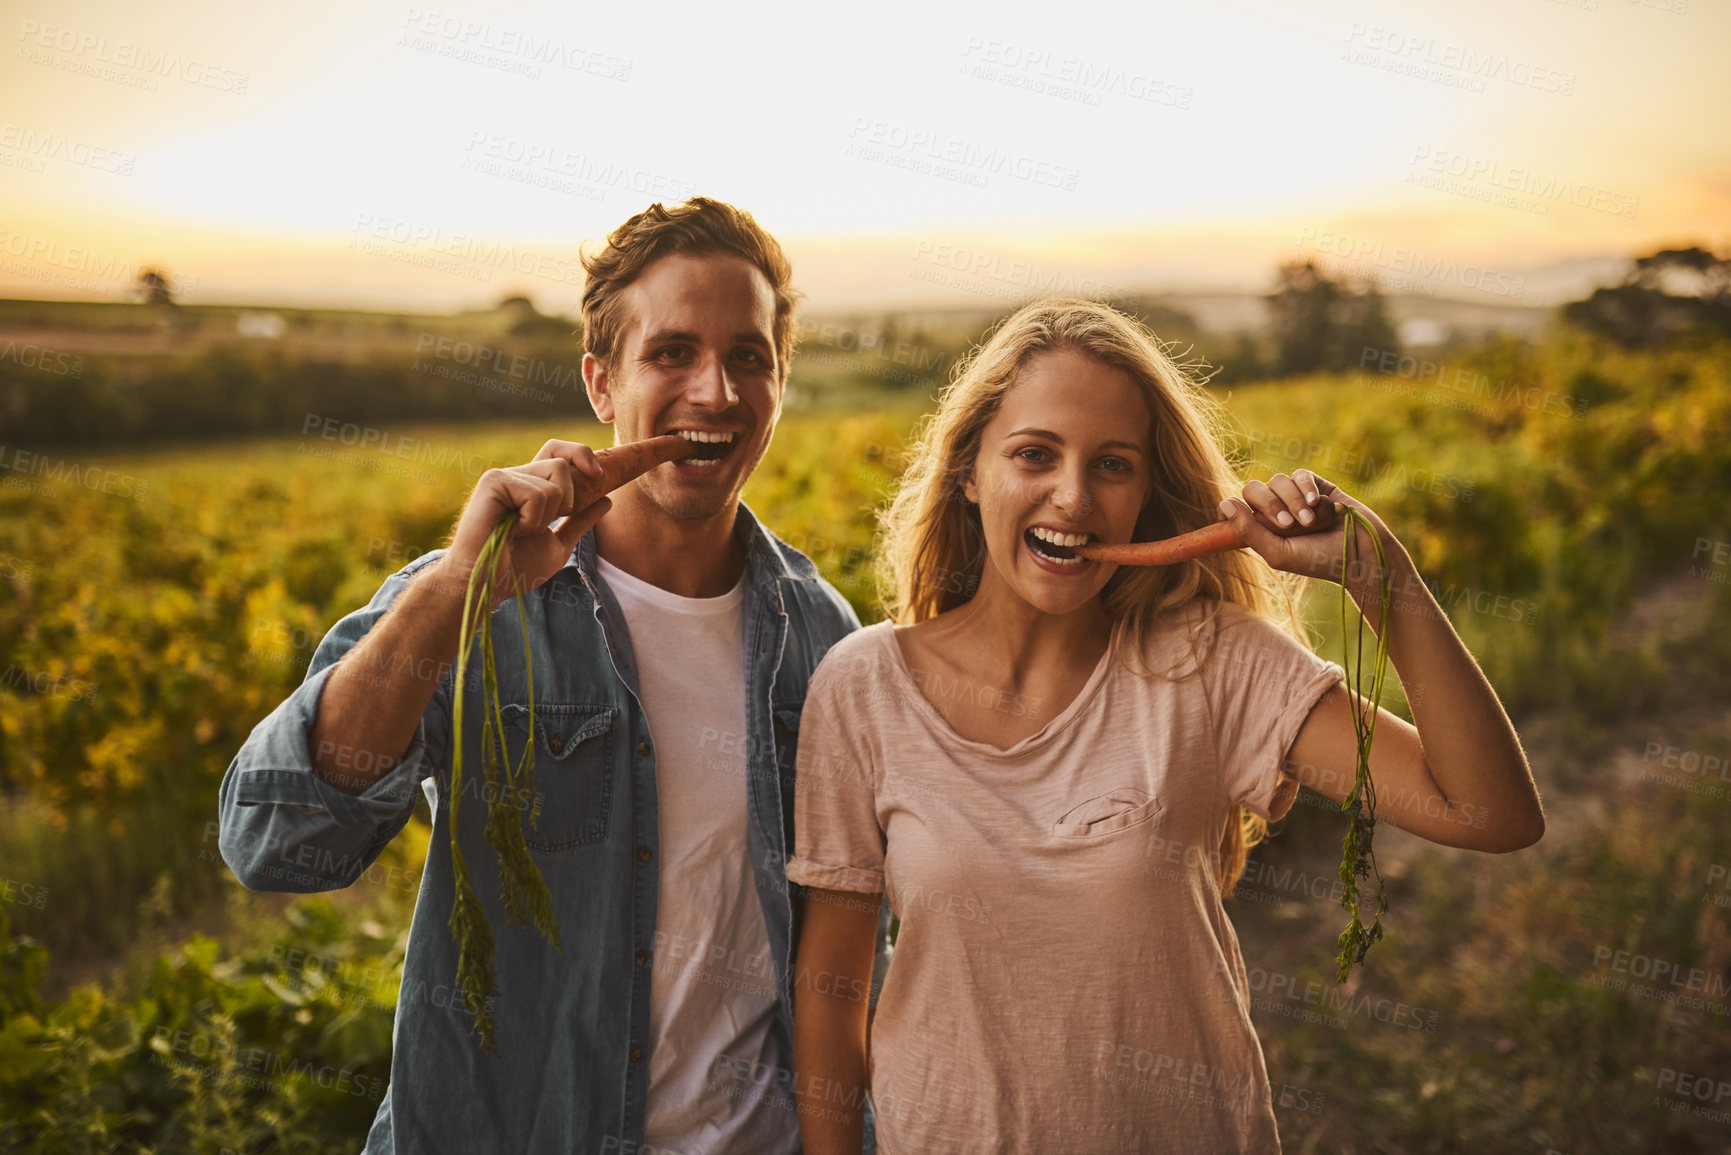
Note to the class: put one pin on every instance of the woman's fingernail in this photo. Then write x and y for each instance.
(1226, 507)
(1284, 518)
(1306, 516)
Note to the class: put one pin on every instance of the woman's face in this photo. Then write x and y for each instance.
(1064, 461)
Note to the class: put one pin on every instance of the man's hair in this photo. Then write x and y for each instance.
(695, 227)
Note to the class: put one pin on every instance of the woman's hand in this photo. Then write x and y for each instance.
(1297, 530)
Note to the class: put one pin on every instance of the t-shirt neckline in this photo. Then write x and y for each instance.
(666, 599)
(950, 736)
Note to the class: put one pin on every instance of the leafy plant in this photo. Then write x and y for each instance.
(523, 890)
(1357, 860)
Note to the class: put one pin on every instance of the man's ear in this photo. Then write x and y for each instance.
(598, 383)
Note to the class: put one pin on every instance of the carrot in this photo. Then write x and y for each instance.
(1216, 538)
(624, 463)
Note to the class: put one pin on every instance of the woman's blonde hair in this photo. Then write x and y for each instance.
(934, 549)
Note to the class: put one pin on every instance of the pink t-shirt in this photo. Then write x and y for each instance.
(1065, 978)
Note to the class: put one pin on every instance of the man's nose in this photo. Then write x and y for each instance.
(709, 385)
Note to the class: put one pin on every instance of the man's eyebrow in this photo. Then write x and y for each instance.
(1030, 431)
(666, 335)
(670, 335)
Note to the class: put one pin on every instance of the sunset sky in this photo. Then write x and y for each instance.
(391, 156)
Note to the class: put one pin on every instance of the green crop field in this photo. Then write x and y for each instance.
(154, 604)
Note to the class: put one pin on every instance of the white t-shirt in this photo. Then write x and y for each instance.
(713, 992)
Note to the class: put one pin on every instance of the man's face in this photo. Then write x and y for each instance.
(695, 356)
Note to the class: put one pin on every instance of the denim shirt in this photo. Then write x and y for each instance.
(572, 1072)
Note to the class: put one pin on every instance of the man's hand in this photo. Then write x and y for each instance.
(542, 492)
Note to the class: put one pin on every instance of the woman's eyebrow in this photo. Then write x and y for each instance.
(1030, 431)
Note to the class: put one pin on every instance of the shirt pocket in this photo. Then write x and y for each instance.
(1108, 813)
(573, 770)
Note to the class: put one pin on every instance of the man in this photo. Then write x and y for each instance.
(672, 639)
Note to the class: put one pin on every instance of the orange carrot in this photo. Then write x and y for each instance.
(1216, 538)
(623, 463)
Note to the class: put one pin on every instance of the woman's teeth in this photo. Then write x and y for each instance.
(1056, 547)
(1068, 540)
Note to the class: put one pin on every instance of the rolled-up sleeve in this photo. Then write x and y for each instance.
(838, 842)
(284, 828)
(1261, 685)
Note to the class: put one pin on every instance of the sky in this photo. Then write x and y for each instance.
(390, 156)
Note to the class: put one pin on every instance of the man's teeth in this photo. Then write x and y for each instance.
(1067, 540)
(716, 446)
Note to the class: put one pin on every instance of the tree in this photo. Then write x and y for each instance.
(527, 321)
(1664, 294)
(1320, 324)
(153, 287)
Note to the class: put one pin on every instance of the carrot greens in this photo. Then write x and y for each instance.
(521, 887)
(1357, 860)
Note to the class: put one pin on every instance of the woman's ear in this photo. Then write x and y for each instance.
(967, 488)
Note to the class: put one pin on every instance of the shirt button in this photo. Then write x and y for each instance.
(642, 957)
(643, 749)
(555, 744)
(636, 1054)
(642, 854)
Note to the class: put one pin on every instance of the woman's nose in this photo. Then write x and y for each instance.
(1070, 494)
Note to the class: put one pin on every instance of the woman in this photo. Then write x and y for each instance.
(1055, 765)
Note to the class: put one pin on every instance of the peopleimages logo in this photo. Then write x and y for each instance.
(1525, 180)
(1066, 77)
(42, 359)
(879, 140)
(1662, 971)
(16, 464)
(102, 269)
(42, 146)
(467, 255)
(1428, 58)
(481, 42)
(85, 52)
(1022, 276)
(1423, 265)
(1470, 383)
